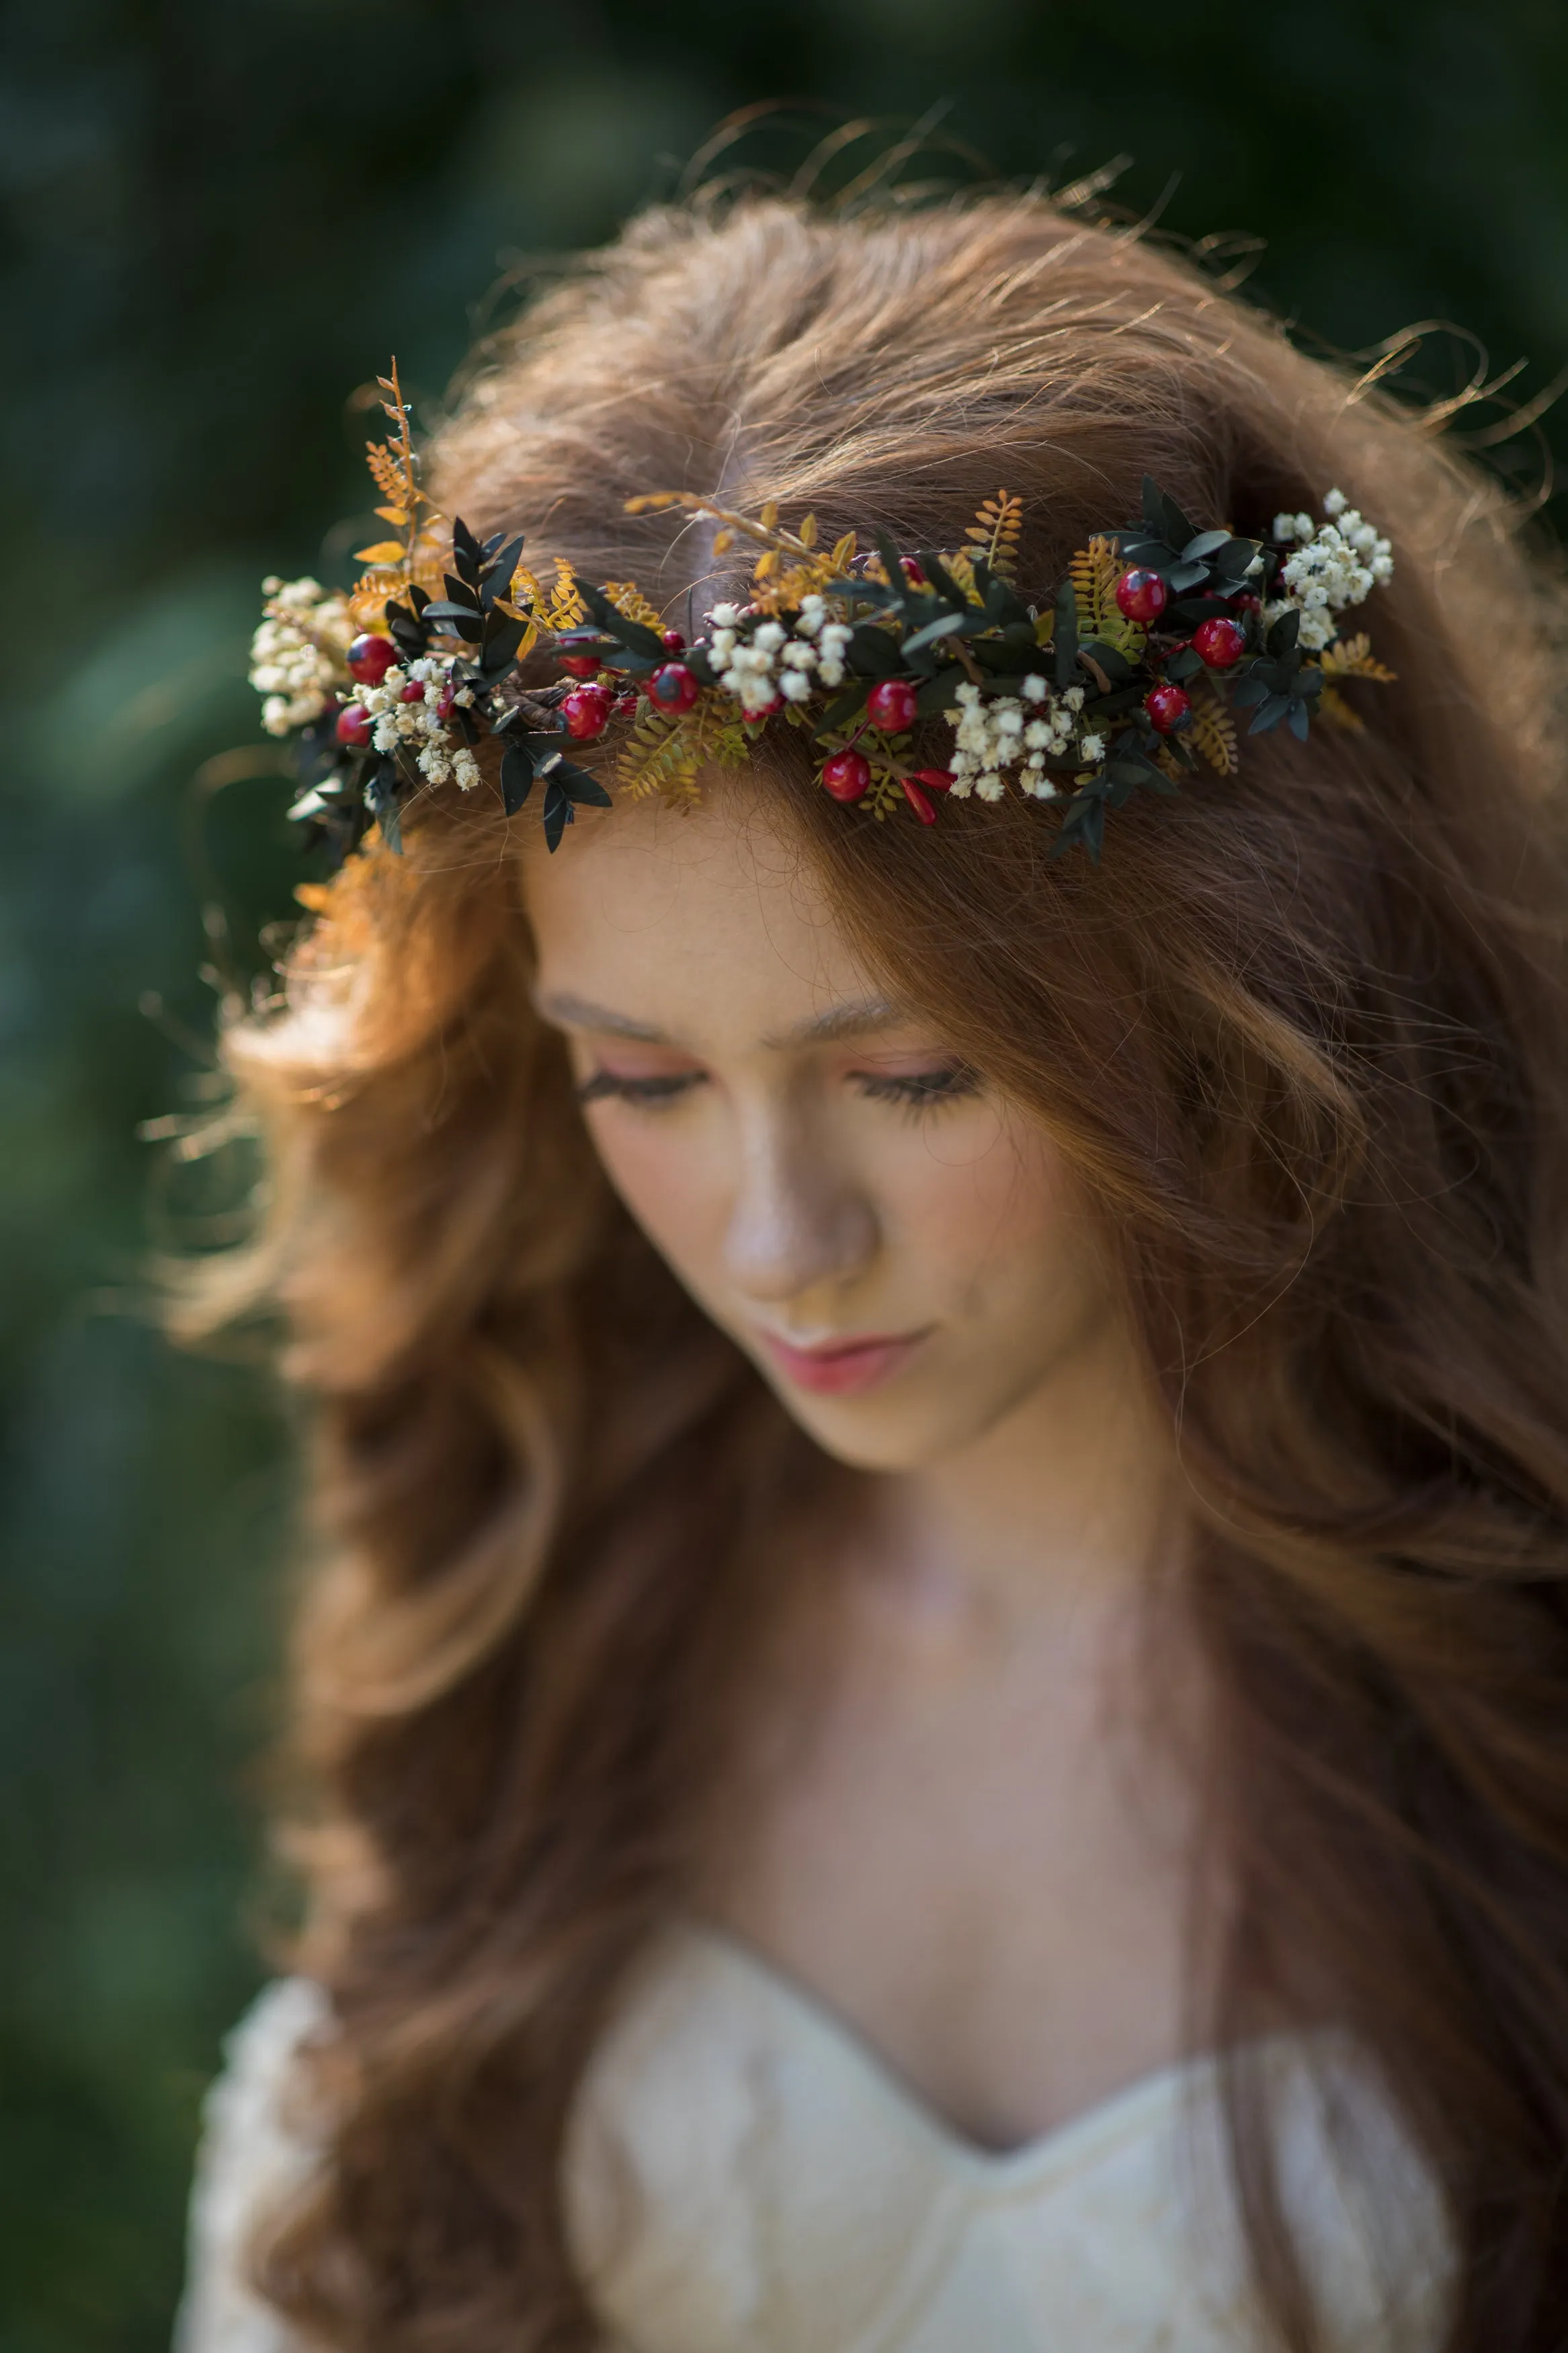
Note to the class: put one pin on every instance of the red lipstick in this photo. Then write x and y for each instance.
(844, 1368)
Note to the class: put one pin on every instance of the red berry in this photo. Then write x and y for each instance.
(674, 687)
(413, 692)
(586, 712)
(672, 641)
(1219, 641)
(892, 705)
(767, 710)
(1169, 707)
(581, 665)
(1142, 597)
(444, 708)
(354, 726)
(918, 801)
(847, 775)
(912, 572)
(624, 706)
(370, 658)
(935, 780)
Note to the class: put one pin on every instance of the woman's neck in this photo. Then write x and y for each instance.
(1074, 1499)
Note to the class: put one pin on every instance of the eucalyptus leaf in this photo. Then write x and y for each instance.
(516, 778)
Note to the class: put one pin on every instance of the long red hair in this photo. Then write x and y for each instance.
(1303, 1035)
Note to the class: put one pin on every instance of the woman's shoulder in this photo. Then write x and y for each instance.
(258, 2145)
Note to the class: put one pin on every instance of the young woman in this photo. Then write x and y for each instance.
(934, 1695)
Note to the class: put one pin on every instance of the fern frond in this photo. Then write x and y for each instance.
(1095, 571)
(389, 472)
(1335, 712)
(564, 608)
(961, 565)
(994, 532)
(627, 599)
(1212, 733)
(1353, 657)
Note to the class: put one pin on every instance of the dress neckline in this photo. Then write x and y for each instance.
(1090, 2134)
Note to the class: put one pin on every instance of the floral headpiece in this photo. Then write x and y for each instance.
(1158, 634)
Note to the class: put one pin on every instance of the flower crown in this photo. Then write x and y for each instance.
(1157, 635)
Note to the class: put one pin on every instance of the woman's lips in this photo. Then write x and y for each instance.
(844, 1368)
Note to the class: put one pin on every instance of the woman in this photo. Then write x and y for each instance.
(934, 1695)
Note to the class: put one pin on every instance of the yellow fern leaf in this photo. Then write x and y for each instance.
(1212, 733)
(1095, 571)
(1353, 657)
(994, 532)
(566, 609)
(385, 551)
(628, 598)
(807, 534)
(769, 517)
(843, 554)
(1336, 712)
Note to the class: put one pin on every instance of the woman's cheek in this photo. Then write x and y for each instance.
(665, 1180)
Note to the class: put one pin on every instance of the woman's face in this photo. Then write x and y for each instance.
(900, 1252)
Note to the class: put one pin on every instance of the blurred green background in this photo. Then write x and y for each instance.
(221, 216)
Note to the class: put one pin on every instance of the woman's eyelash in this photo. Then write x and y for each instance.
(920, 1088)
(915, 1090)
(601, 1084)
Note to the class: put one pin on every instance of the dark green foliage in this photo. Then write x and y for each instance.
(219, 218)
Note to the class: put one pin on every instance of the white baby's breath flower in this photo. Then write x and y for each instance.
(1034, 689)
(725, 617)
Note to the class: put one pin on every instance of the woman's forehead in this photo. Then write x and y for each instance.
(711, 924)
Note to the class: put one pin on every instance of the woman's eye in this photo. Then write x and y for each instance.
(918, 1088)
(600, 1085)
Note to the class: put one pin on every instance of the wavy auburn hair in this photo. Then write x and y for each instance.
(1303, 1036)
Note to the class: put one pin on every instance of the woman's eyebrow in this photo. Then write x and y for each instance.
(578, 1013)
(855, 1018)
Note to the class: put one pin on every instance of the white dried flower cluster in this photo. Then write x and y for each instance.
(1018, 733)
(1336, 565)
(298, 654)
(761, 662)
(419, 724)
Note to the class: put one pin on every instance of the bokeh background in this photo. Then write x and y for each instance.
(220, 216)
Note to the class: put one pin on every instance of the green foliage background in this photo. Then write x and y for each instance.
(219, 220)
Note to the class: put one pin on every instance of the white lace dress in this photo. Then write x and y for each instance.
(743, 2177)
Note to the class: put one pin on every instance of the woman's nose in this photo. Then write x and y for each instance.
(797, 1219)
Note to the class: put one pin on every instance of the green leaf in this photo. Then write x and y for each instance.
(1064, 644)
(559, 812)
(466, 553)
(502, 640)
(945, 625)
(582, 787)
(873, 651)
(634, 635)
(516, 778)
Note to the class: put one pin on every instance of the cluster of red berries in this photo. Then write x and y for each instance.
(369, 658)
(588, 710)
(1219, 643)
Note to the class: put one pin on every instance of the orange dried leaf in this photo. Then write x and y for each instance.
(385, 551)
(398, 515)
